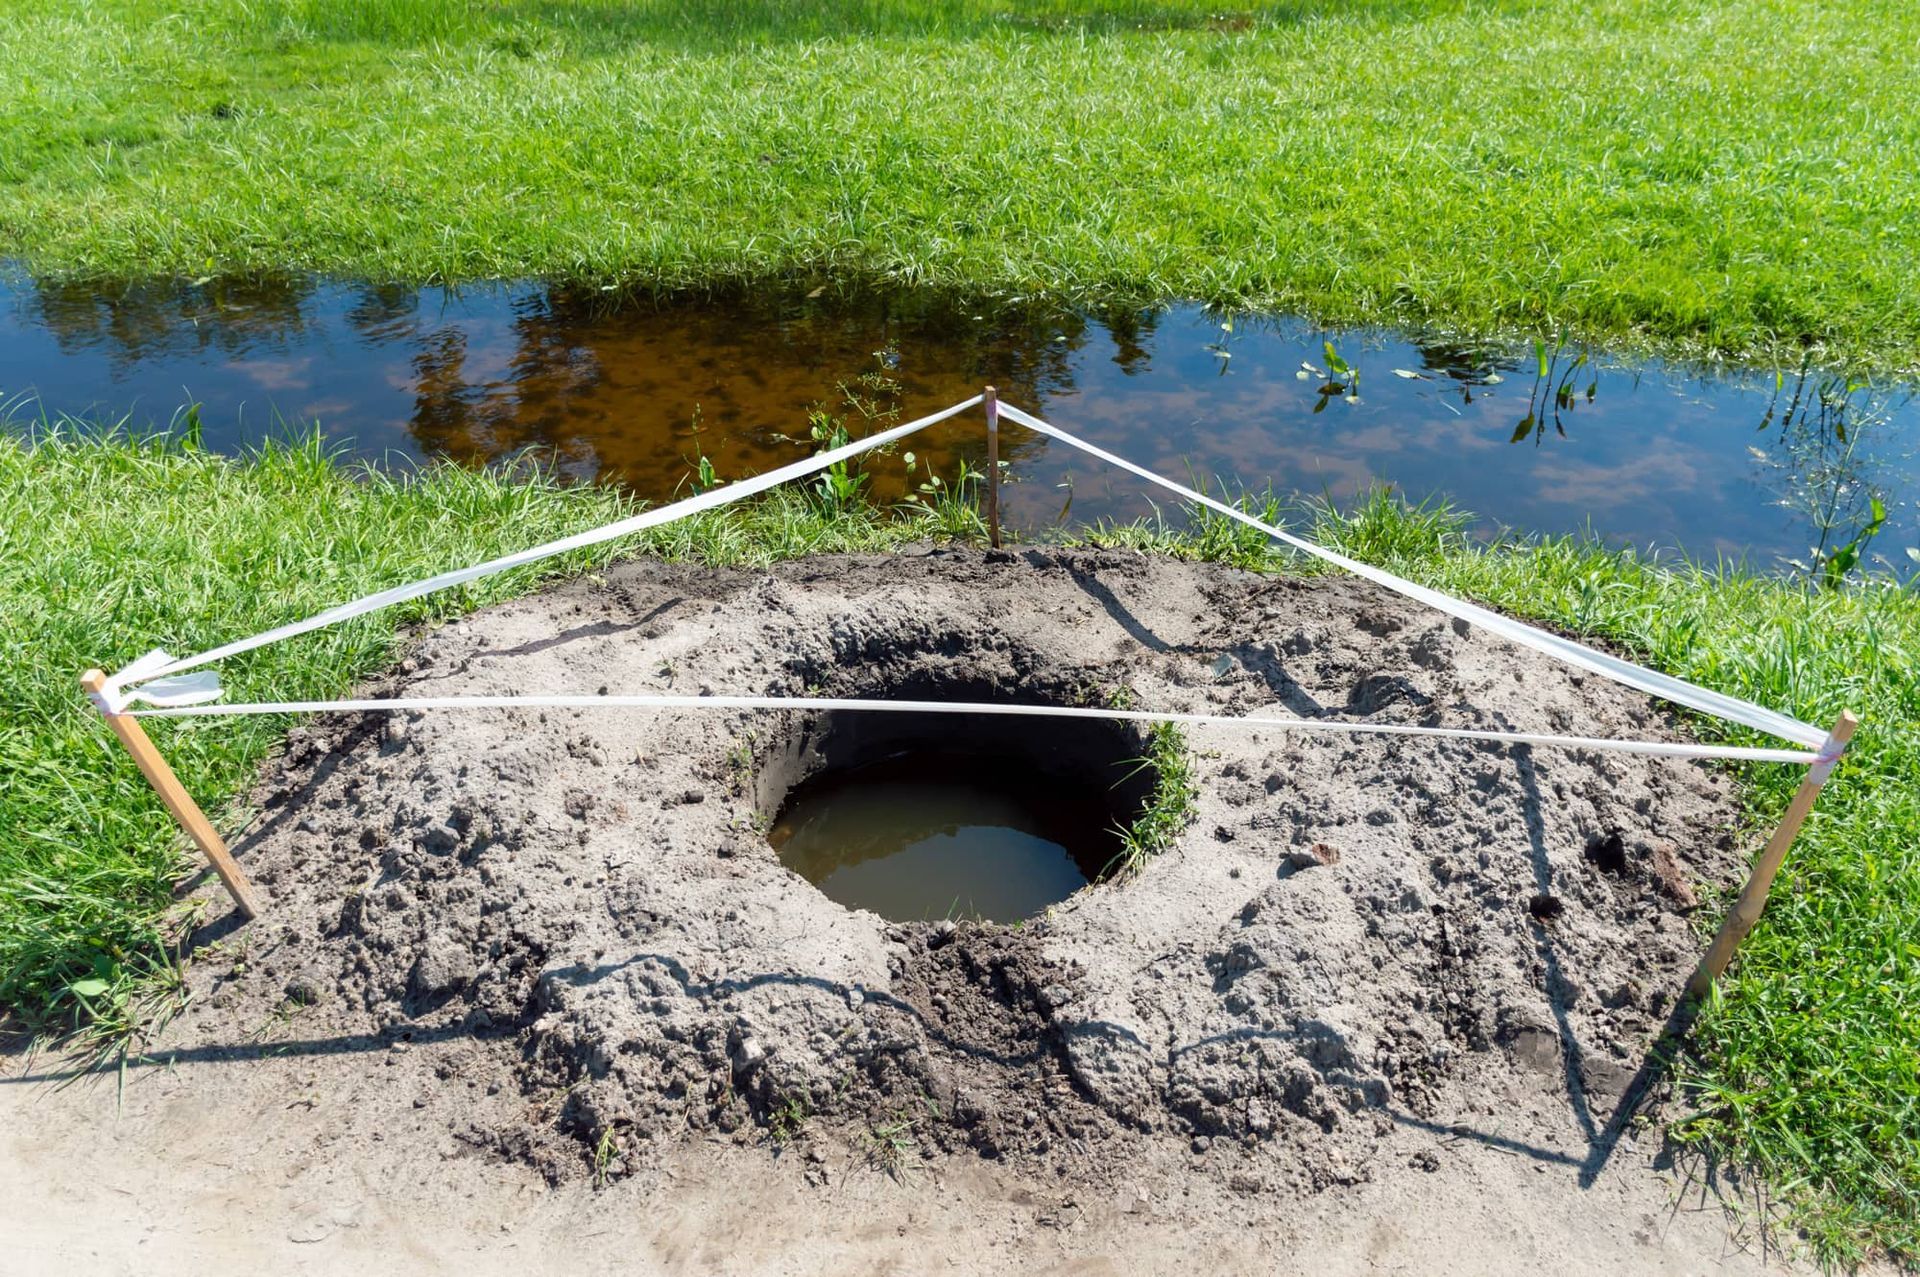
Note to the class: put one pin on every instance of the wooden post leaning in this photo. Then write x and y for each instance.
(177, 799)
(1753, 896)
(992, 399)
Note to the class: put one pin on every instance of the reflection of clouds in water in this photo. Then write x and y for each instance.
(1635, 481)
(489, 361)
(1488, 429)
(1341, 478)
(333, 413)
(1277, 413)
(1383, 440)
(276, 374)
(1256, 431)
(1225, 454)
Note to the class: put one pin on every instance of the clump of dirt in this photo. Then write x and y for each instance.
(1353, 935)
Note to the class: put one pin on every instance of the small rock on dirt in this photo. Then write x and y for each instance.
(1313, 857)
(1670, 879)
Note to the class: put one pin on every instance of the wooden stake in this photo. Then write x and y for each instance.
(177, 799)
(1753, 897)
(992, 398)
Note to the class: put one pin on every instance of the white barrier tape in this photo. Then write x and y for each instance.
(1678, 691)
(178, 689)
(181, 689)
(1826, 760)
(187, 696)
(146, 668)
(111, 699)
(1661, 749)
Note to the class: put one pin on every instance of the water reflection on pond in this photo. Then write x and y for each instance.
(1758, 466)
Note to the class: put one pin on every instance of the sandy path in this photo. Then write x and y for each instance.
(219, 1167)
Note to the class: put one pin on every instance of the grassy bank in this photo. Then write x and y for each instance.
(1736, 176)
(1806, 1066)
(109, 547)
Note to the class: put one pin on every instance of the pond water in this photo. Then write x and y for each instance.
(934, 834)
(1752, 466)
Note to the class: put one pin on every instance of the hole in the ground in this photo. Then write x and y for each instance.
(927, 816)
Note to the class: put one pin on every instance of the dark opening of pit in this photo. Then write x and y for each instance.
(927, 816)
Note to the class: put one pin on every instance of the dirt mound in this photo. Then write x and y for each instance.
(1353, 936)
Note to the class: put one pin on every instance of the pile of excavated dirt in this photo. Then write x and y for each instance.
(1354, 938)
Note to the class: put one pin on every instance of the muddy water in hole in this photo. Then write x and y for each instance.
(934, 835)
(1745, 465)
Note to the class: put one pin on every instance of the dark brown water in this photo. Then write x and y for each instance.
(938, 834)
(1749, 466)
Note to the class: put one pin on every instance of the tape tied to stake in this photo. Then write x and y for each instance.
(1826, 760)
(167, 693)
(196, 688)
(173, 692)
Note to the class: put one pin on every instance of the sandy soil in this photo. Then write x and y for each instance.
(313, 1163)
(532, 989)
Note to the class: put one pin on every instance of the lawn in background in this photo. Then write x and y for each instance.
(1730, 176)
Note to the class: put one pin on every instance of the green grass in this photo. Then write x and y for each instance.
(893, 1148)
(1169, 806)
(1805, 1066)
(109, 547)
(1701, 175)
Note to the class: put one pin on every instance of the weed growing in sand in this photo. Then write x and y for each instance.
(606, 1151)
(892, 1148)
(740, 762)
(276, 1024)
(1169, 807)
(1110, 696)
(787, 1119)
